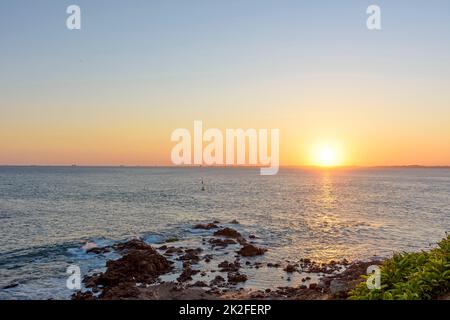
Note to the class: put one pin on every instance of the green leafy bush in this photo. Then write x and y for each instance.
(411, 276)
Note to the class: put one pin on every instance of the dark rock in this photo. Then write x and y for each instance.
(313, 286)
(236, 277)
(257, 295)
(134, 244)
(208, 226)
(273, 265)
(228, 232)
(191, 255)
(226, 266)
(99, 250)
(187, 274)
(199, 284)
(290, 268)
(338, 287)
(171, 250)
(143, 265)
(83, 296)
(307, 261)
(234, 222)
(122, 291)
(218, 280)
(221, 242)
(249, 250)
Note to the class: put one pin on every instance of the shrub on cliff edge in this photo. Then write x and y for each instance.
(411, 276)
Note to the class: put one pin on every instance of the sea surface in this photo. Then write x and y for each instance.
(47, 214)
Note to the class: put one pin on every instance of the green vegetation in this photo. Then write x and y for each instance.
(172, 239)
(411, 276)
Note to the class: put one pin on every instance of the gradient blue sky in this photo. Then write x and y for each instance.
(112, 92)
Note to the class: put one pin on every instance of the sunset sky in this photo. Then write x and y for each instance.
(112, 92)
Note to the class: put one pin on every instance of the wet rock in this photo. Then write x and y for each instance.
(313, 286)
(303, 287)
(199, 284)
(290, 268)
(338, 287)
(252, 236)
(172, 250)
(134, 244)
(257, 295)
(83, 296)
(122, 291)
(99, 250)
(249, 250)
(273, 265)
(164, 247)
(187, 274)
(143, 265)
(228, 232)
(226, 266)
(323, 283)
(236, 277)
(218, 280)
(221, 242)
(234, 222)
(208, 226)
(306, 261)
(191, 255)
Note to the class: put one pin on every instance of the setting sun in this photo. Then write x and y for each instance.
(326, 156)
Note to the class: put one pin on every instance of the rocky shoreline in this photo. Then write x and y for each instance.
(139, 273)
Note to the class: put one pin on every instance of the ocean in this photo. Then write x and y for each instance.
(48, 213)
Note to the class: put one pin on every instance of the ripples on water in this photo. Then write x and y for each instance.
(46, 213)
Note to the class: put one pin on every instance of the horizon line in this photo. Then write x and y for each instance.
(410, 166)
